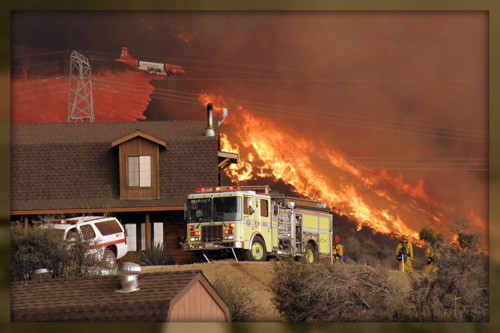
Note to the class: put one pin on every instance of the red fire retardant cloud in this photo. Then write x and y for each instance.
(116, 97)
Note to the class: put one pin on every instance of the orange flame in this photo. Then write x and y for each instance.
(315, 170)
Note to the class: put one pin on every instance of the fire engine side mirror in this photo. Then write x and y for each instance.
(250, 206)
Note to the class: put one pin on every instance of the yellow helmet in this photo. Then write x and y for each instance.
(406, 237)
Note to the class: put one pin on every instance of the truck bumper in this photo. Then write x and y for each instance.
(212, 246)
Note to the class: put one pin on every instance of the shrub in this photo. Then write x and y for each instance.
(152, 257)
(346, 292)
(41, 246)
(241, 300)
(457, 292)
(135, 257)
(352, 249)
(155, 255)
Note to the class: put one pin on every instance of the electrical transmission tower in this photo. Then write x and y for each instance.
(81, 103)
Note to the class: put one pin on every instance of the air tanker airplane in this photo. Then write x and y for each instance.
(150, 67)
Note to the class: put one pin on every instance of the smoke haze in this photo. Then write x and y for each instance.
(390, 108)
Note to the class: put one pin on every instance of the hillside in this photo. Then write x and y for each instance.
(256, 276)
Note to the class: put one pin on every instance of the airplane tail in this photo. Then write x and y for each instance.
(124, 55)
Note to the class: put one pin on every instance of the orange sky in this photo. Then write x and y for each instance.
(398, 98)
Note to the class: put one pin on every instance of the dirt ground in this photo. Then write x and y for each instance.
(255, 276)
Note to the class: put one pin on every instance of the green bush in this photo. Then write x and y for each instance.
(41, 246)
(153, 257)
(156, 256)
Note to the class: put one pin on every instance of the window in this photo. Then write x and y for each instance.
(87, 231)
(139, 171)
(199, 210)
(109, 227)
(73, 234)
(227, 209)
(248, 206)
(264, 208)
(131, 229)
(157, 233)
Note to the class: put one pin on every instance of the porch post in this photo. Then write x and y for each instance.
(25, 223)
(148, 232)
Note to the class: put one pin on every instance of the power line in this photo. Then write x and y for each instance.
(297, 68)
(324, 116)
(328, 113)
(40, 54)
(39, 96)
(426, 127)
(42, 63)
(366, 122)
(417, 168)
(381, 157)
(63, 84)
(38, 82)
(380, 79)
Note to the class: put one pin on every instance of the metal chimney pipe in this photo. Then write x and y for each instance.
(41, 274)
(129, 273)
(210, 128)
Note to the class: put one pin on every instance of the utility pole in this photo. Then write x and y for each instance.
(81, 103)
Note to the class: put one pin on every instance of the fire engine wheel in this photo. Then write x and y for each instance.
(257, 251)
(109, 258)
(310, 255)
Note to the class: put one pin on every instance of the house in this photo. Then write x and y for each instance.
(139, 172)
(182, 296)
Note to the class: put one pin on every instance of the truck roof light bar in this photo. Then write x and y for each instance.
(218, 189)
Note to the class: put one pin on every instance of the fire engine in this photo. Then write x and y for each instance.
(255, 223)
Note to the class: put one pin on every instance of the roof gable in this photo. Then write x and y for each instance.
(73, 167)
(138, 133)
(96, 299)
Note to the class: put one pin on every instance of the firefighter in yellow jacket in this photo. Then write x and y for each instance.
(337, 249)
(404, 254)
(431, 257)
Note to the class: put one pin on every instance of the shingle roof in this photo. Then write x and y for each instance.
(73, 166)
(95, 299)
(106, 132)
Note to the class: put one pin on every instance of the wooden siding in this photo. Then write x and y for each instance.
(196, 305)
(139, 147)
(174, 232)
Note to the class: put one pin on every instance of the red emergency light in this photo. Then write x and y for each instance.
(64, 221)
(218, 188)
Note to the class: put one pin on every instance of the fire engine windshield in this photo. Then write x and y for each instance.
(224, 209)
(227, 209)
(199, 210)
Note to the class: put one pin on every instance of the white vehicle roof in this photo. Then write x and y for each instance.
(72, 222)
